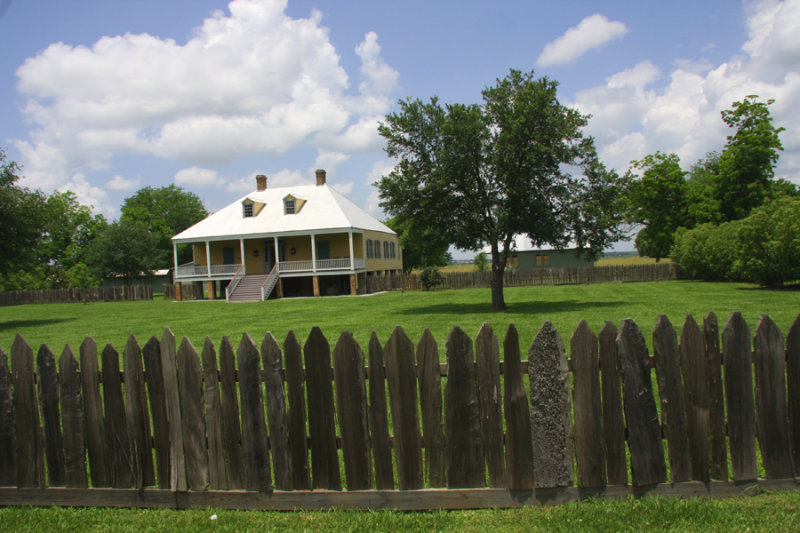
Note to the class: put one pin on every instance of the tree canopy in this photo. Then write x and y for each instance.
(124, 248)
(658, 200)
(518, 163)
(165, 212)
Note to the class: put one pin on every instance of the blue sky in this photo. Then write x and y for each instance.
(103, 97)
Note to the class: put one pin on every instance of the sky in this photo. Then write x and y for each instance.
(103, 97)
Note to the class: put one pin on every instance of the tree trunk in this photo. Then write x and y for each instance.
(498, 267)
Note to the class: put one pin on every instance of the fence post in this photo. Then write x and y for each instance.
(8, 441)
(430, 398)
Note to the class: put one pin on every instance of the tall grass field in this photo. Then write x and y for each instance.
(529, 307)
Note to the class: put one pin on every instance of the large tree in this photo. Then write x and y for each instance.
(124, 248)
(516, 164)
(165, 212)
(658, 201)
(22, 214)
(747, 163)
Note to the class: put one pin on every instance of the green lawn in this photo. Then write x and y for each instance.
(529, 307)
(765, 512)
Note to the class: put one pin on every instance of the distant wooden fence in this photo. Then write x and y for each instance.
(171, 428)
(96, 294)
(523, 278)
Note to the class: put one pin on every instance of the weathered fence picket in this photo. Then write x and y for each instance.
(793, 386)
(99, 463)
(519, 447)
(51, 417)
(670, 391)
(297, 412)
(8, 435)
(321, 422)
(589, 449)
(402, 380)
(613, 422)
(641, 415)
(276, 412)
(379, 417)
(739, 397)
(254, 427)
(772, 415)
(463, 446)
(184, 410)
(694, 368)
(718, 465)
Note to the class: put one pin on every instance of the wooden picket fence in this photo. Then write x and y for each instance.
(526, 278)
(171, 428)
(129, 293)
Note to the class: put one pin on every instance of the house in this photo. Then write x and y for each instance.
(303, 240)
(524, 256)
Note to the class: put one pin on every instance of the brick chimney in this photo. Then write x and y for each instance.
(320, 177)
(261, 182)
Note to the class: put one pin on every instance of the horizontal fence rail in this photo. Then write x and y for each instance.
(97, 294)
(273, 425)
(525, 278)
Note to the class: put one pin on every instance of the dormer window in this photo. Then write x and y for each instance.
(289, 206)
(248, 209)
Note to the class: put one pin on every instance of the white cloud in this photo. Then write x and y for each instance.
(251, 81)
(119, 183)
(592, 32)
(329, 161)
(89, 195)
(198, 177)
(633, 117)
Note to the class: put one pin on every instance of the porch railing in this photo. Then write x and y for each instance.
(269, 283)
(191, 270)
(234, 283)
(322, 264)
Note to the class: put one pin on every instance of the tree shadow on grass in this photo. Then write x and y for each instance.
(515, 308)
(17, 324)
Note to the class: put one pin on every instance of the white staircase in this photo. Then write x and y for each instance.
(249, 289)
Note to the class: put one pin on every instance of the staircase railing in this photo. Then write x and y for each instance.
(269, 283)
(234, 283)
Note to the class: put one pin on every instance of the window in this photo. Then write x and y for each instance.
(547, 260)
(288, 206)
(393, 251)
(248, 209)
(377, 249)
(369, 249)
(386, 249)
(538, 260)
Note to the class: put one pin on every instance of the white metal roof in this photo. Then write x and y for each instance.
(324, 210)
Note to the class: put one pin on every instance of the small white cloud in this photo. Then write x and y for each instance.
(119, 183)
(329, 161)
(639, 76)
(89, 195)
(592, 32)
(198, 177)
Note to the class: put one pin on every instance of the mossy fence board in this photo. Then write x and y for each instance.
(173, 428)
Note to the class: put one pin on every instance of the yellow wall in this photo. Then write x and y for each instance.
(383, 263)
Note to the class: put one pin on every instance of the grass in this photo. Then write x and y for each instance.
(529, 307)
(764, 512)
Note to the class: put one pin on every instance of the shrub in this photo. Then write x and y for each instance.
(431, 277)
(708, 251)
(769, 243)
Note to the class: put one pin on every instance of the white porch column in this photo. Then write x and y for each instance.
(313, 253)
(277, 254)
(175, 258)
(352, 259)
(208, 258)
(241, 250)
